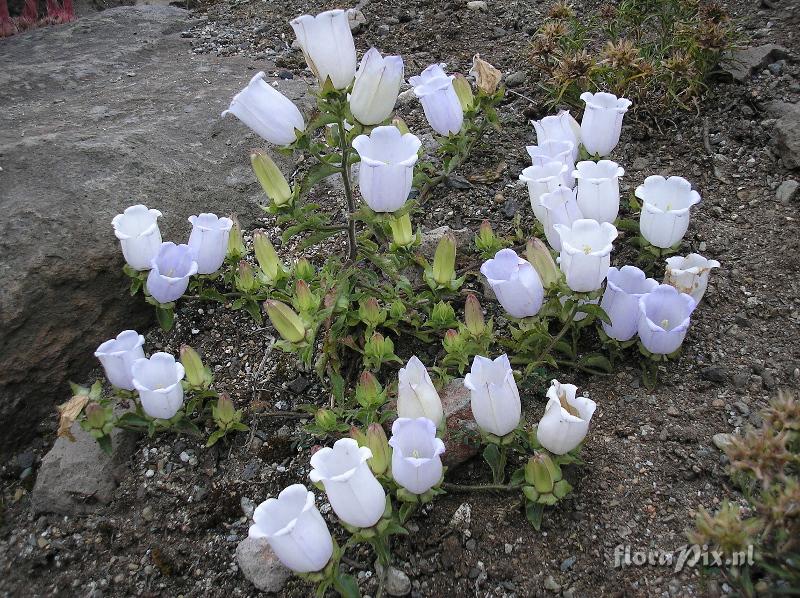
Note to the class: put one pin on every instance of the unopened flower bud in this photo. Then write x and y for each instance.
(369, 392)
(286, 321)
(473, 316)
(463, 91)
(371, 313)
(397, 309)
(305, 300)
(442, 314)
(304, 270)
(378, 347)
(224, 411)
(236, 247)
(100, 420)
(271, 178)
(379, 445)
(402, 231)
(542, 473)
(358, 435)
(453, 342)
(245, 278)
(325, 419)
(400, 124)
(197, 374)
(542, 260)
(444, 260)
(266, 256)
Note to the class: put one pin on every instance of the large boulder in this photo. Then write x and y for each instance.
(111, 110)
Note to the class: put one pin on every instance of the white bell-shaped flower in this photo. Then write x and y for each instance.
(543, 179)
(566, 419)
(689, 274)
(356, 496)
(441, 105)
(665, 209)
(416, 394)
(559, 127)
(601, 124)
(117, 356)
(158, 382)
(328, 46)
(516, 283)
(585, 253)
(416, 454)
(209, 241)
(554, 151)
(139, 235)
(495, 401)
(561, 207)
(598, 189)
(294, 529)
(624, 288)
(387, 167)
(664, 318)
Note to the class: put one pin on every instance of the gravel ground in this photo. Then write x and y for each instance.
(181, 510)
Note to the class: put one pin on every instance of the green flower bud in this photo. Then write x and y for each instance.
(305, 300)
(236, 247)
(542, 473)
(397, 310)
(378, 347)
(400, 124)
(453, 342)
(369, 392)
(197, 374)
(371, 313)
(473, 316)
(463, 91)
(246, 278)
(358, 435)
(99, 420)
(271, 178)
(542, 260)
(304, 270)
(402, 232)
(326, 419)
(286, 321)
(267, 257)
(224, 412)
(381, 451)
(444, 260)
(443, 314)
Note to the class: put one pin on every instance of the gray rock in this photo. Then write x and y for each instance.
(476, 5)
(722, 441)
(260, 566)
(743, 63)
(714, 373)
(786, 191)
(431, 238)
(356, 19)
(397, 582)
(78, 477)
(76, 151)
(516, 79)
(787, 137)
(551, 584)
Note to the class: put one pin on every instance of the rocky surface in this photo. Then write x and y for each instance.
(260, 566)
(746, 61)
(99, 114)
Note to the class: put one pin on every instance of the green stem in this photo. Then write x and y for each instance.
(558, 336)
(348, 191)
(479, 487)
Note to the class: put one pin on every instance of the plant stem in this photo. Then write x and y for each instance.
(479, 487)
(558, 336)
(348, 191)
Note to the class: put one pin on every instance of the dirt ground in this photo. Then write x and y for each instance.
(650, 461)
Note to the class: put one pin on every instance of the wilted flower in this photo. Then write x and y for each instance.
(327, 44)
(566, 418)
(574, 68)
(267, 112)
(294, 529)
(487, 77)
(602, 121)
(416, 394)
(170, 272)
(271, 178)
(542, 260)
(387, 167)
(689, 274)
(598, 189)
(664, 318)
(515, 282)
(541, 180)
(117, 356)
(356, 496)
(439, 100)
(624, 288)
(209, 241)
(586, 253)
(416, 460)
(377, 84)
(138, 234)
(560, 207)
(665, 209)
(495, 401)
(554, 151)
(560, 127)
(158, 382)
(286, 321)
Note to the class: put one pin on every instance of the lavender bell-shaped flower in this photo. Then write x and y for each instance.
(117, 356)
(441, 105)
(209, 241)
(624, 287)
(540, 180)
(585, 253)
(138, 234)
(328, 46)
(416, 454)
(170, 273)
(516, 283)
(377, 84)
(158, 382)
(561, 207)
(664, 319)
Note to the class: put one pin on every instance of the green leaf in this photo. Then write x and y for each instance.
(105, 444)
(597, 362)
(136, 284)
(316, 174)
(166, 318)
(534, 512)
(212, 294)
(347, 586)
(496, 460)
(596, 311)
(215, 436)
(254, 310)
